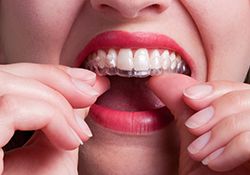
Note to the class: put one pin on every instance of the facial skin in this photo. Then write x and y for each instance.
(215, 33)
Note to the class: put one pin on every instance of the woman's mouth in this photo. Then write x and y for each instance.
(129, 60)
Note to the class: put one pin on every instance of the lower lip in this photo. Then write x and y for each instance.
(136, 123)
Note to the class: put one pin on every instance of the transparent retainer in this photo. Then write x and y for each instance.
(179, 67)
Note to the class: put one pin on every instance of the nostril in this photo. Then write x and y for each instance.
(107, 8)
(104, 6)
(155, 7)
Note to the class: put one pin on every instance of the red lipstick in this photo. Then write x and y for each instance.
(140, 122)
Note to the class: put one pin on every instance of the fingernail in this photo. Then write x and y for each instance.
(200, 118)
(85, 88)
(198, 91)
(81, 74)
(76, 136)
(199, 143)
(84, 126)
(213, 156)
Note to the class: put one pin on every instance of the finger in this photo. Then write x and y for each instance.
(26, 70)
(169, 88)
(85, 75)
(102, 84)
(236, 153)
(34, 89)
(220, 135)
(82, 112)
(14, 115)
(231, 103)
(201, 95)
(76, 91)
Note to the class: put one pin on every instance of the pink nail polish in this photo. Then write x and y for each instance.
(197, 92)
(83, 125)
(213, 156)
(81, 74)
(199, 143)
(200, 118)
(76, 137)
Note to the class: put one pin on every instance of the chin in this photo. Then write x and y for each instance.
(110, 152)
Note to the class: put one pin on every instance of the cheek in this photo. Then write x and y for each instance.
(224, 29)
(36, 29)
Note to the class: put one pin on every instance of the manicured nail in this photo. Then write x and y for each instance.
(199, 143)
(197, 92)
(213, 156)
(85, 88)
(76, 137)
(81, 74)
(84, 126)
(200, 118)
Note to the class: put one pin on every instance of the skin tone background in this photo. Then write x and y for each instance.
(215, 33)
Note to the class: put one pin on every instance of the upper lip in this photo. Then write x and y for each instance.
(121, 39)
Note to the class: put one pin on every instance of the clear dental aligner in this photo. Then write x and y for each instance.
(138, 63)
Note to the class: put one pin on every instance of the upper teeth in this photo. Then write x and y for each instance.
(142, 62)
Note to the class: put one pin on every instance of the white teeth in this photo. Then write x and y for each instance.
(165, 60)
(111, 58)
(141, 60)
(125, 59)
(172, 56)
(173, 61)
(142, 63)
(101, 56)
(155, 59)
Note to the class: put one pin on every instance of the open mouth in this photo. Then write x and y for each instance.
(126, 62)
(129, 60)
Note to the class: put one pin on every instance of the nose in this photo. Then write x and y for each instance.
(130, 8)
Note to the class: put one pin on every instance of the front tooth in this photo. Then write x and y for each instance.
(125, 59)
(141, 60)
(173, 61)
(165, 60)
(102, 56)
(111, 58)
(155, 60)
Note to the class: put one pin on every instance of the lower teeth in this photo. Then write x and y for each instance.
(181, 68)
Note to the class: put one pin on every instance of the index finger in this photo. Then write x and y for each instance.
(59, 78)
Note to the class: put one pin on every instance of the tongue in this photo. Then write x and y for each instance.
(129, 94)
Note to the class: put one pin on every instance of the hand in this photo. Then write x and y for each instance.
(222, 124)
(222, 131)
(44, 98)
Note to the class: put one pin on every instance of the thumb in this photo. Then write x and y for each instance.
(169, 88)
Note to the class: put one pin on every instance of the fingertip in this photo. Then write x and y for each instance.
(63, 138)
(82, 112)
(83, 127)
(198, 91)
(217, 161)
(81, 74)
(200, 119)
(102, 84)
